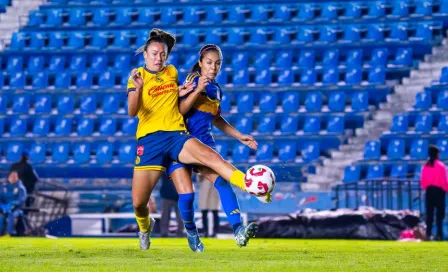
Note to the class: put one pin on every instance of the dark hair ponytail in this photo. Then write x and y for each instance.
(433, 153)
(196, 67)
(204, 49)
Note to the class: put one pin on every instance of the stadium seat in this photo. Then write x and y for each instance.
(244, 125)
(2, 79)
(400, 123)
(287, 151)
(123, 16)
(351, 34)
(226, 101)
(21, 103)
(40, 80)
(329, 11)
(76, 40)
(307, 58)
(81, 153)
(266, 125)
(399, 31)
(375, 32)
(310, 152)
(283, 36)
(352, 173)
(78, 63)
(313, 102)
(36, 18)
(238, 13)
(372, 150)
(17, 81)
(241, 77)
(15, 64)
(312, 124)
(336, 101)
(99, 41)
(108, 126)
(285, 77)
(262, 60)
(41, 127)
(240, 153)
(400, 9)
(419, 149)
(223, 149)
(99, 63)
(395, 149)
(306, 12)
(258, 36)
(306, 35)
(35, 65)
(290, 102)
(37, 153)
(104, 152)
(284, 59)
(65, 104)
(245, 102)
(111, 103)
(263, 77)
(403, 57)
(423, 8)
(377, 75)
(88, 104)
(85, 127)
(13, 152)
(442, 144)
(56, 40)
(282, 12)
(443, 123)
(268, 102)
(399, 170)
(18, 127)
(122, 62)
(289, 125)
(375, 171)
(84, 80)
(442, 100)
(424, 32)
(54, 17)
(331, 58)
(265, 152)
(63, 80)
(129, 126)
(330, 76)
(63, 126)
(360, 101)
(335, 124)
(353, 75)
(379, 57)
(100, 16)
(222, 78)
(76, 17)
(240, 60)
(235, 37)
(423, 124)
(423, 100)
(60, 152)
(354, 57)
(18, 41)
(3, 103)
(56, 64)
(106, 79)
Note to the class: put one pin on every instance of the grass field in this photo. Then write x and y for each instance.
(74, 254)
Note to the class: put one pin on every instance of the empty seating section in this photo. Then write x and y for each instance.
(300, 76)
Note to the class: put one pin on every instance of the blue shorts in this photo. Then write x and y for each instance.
(157, 150)
(174, 165)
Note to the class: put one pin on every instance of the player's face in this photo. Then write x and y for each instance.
(211, 64)
(13, 177)
(155, 56)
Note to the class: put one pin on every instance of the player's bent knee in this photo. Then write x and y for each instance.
(139, 205)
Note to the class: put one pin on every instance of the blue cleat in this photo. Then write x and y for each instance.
(194, 241)
(244, 233)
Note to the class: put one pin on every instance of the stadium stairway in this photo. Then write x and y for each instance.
(15, 16)
(332, 169)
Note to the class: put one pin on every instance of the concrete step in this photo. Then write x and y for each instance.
(437, 64)
(409, 88)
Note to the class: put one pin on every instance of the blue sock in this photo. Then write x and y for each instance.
(186, 210)
(229, 202)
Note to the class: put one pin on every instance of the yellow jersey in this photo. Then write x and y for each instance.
(159, 110)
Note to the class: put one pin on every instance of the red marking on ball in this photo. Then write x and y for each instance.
(258, 174)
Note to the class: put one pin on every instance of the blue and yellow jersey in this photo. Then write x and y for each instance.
(159, 110)
(204, 110)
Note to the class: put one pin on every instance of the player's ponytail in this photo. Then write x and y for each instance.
(433, 153)
(204, 49)
(158, 35)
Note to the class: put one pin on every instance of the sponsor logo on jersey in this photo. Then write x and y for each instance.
(140, 150)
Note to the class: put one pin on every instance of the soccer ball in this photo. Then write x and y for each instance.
(259, 180)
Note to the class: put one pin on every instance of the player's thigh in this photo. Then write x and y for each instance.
(143, 183)
(181, 178)
(208, 173)
(195, 152)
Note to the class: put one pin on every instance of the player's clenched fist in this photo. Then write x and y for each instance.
(137, 79)
(202, 83)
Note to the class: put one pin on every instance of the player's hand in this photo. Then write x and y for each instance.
(202, 83)
(249, 141)
(137, 79)
(185, 89)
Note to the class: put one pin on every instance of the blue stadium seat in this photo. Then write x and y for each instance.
(444, 75)
(192, 14)
(265, 152)
(173, 59)
(238, 13)
(336, 124)
(352, 173)
(336, 101)
(400, 9)
(284, 59)
(442, 144)
(37, 153)
(104, 153)
(2, 128)
(226, 102)
(443, 8)
(312, 124)
(327, 34)
(241, 77)
(331, 58)
(214, 36)
(263, 77)
(21, 103)
(76, 17)
(306, 12)
(400, 123)
(81, 153)
(88, 104)
(122, 39)
(423, 100)
(287, 151)
(329, 11)
(99, 41)
(259, 13)
(84, 80)
(306, 34)
(17, 80)
(443, 123)
(18, 41)
(223, 149)
(100, 16)
(258, 36)
(122, 62)
(399, 31)
(354, 57)
(419, 149)
(222, 78)
(15, 64)
(56, 64)
(245, 102)
(60, 152)
(37, 41)
(375, 171)
(40, 80)
(313, 102)
(191, 36)
(330, 76)
(353, 10)
(308, 77)
(63, 126)
(36, 18)
(240, 60)
(235, 36)
(76, 40)
(268, 102)
(423, 8)
(108, 126)
(41, 127)
(107, 79)
(289, 125)
(352, 33)
(35, 64)
(56, 40)
(214, 14)
(99, 63)
(85, 127)
(65, 104)
(377, 75)
(111, 103)
(54, 17)
(372, 150)
(375, 32)
(285, 77)
(376, 9)
(78, 63)
(307, 58)
(360, 101)
(123, 16)
(403, 57)
(244, 124)
(262, 60)
(290, 102)
(13, 152)
(423, 123)
(379, 57)
(129, 126)
(424, 32)
(353, 75)
(283, 35)
(240, 153)
(399, 170)
(2, 79)
(442, 100)
(17, 127)
(266, 125)
(282, 12)
(3, 103)
(310, 152)
(395, 150)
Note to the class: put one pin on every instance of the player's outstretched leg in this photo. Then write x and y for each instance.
(145, 237)
(244, 233)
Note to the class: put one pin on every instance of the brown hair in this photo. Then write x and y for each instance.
(206, 48)
(433, 153)
(161, 36)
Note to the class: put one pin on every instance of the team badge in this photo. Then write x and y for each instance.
(140, 150)
(137, 160)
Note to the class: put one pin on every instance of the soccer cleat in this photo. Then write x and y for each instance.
(265, 199)
(194, 241)
(144, 237)
(244, 233)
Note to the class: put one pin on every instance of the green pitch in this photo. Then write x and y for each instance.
(41, 254)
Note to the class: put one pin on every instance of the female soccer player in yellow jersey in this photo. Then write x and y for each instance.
(161, 133)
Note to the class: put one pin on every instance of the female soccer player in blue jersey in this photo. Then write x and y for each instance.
(201, 109)
(162, 137)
